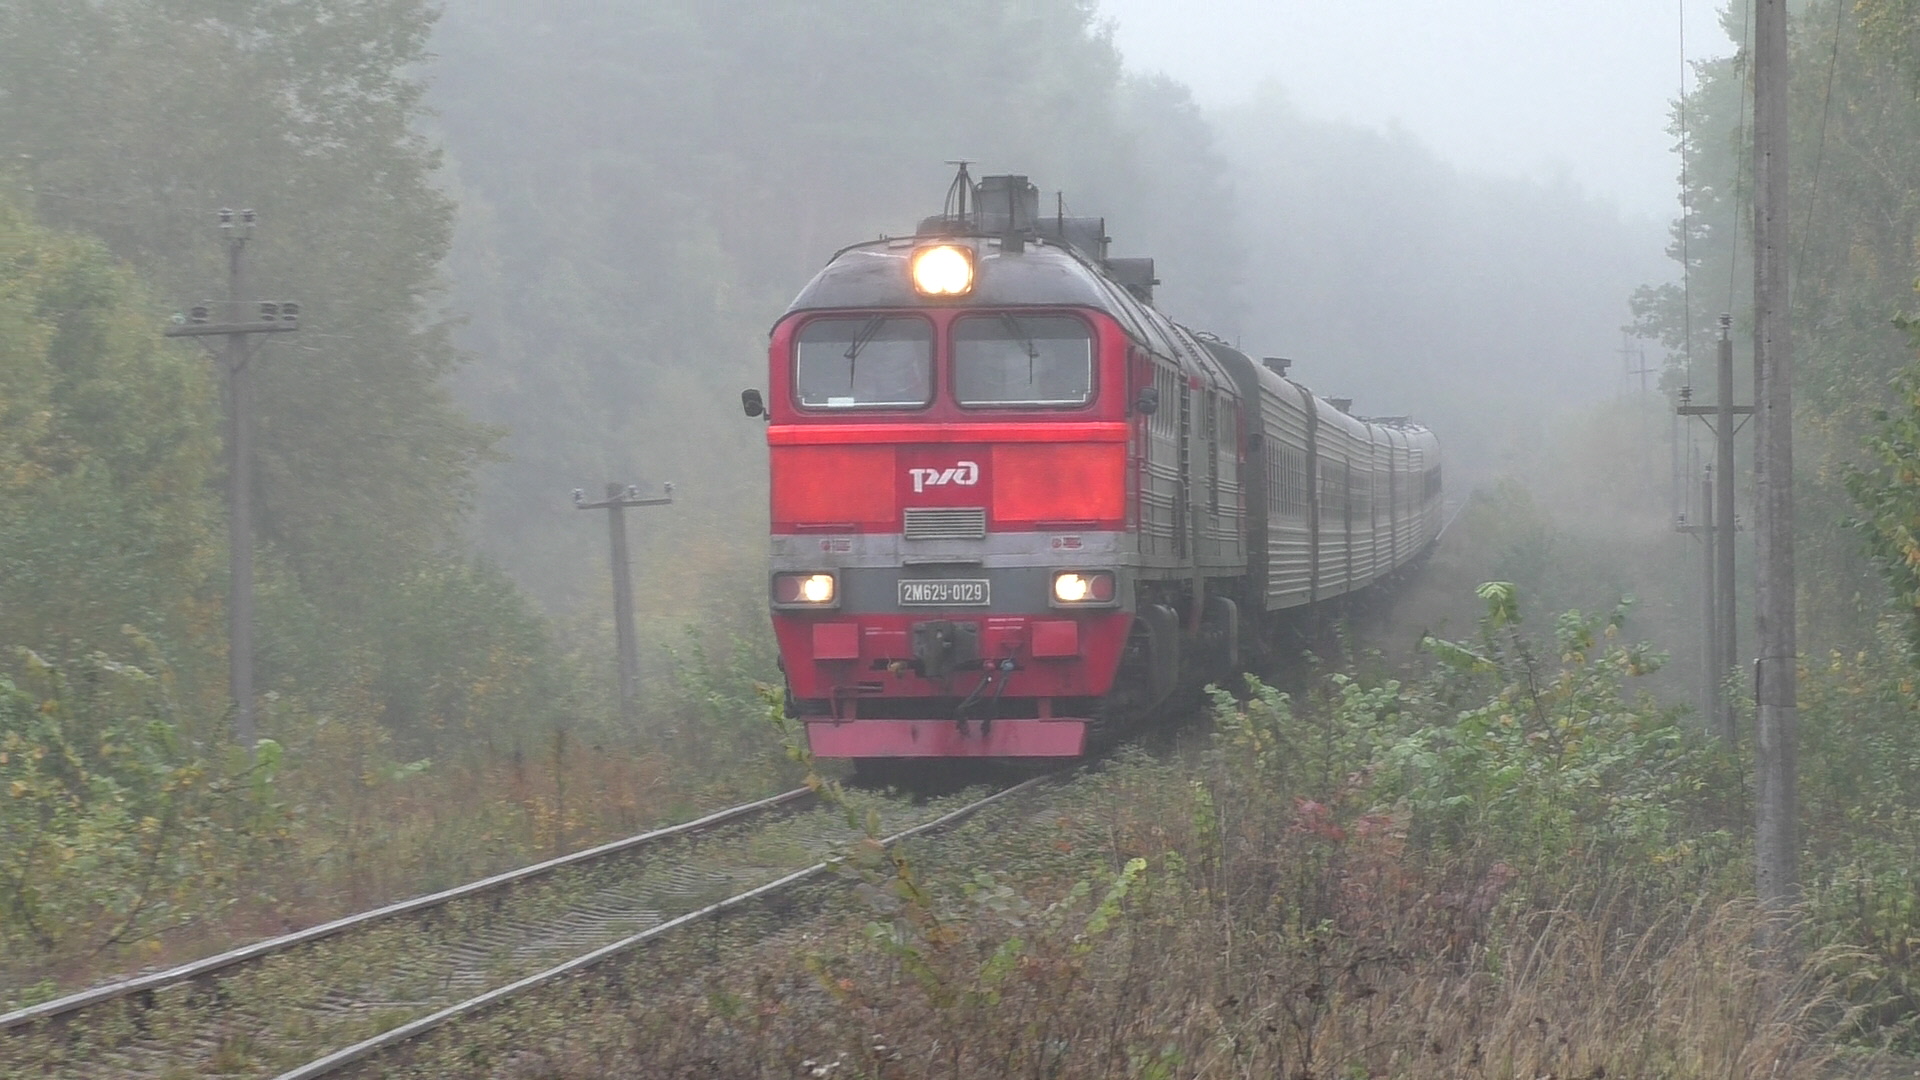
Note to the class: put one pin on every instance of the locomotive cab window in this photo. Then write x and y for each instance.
(869, 362)
(1039, 360)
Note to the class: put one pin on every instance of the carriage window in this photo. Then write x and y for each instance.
(864, 362)
(1022, 360)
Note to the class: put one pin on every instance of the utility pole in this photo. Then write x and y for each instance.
(1628, 354)
(1719, 525)
(274, 318)
(1727, 659)
(1718, 629)
(1776, 729)
(619, 497)
(1711, 677)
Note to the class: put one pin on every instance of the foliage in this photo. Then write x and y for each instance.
(463, 667)
(107, 440)
(1860, 767)
(1854, 123)
(114, 827)
(645, 187)
(1888, 494)
(1301, 902)
(135, 119)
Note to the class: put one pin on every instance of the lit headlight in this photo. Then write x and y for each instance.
(942, 270)
(1083, 587)
(804, 590)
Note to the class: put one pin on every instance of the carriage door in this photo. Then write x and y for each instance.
(1183, 496)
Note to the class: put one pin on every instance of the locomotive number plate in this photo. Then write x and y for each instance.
(945, 592)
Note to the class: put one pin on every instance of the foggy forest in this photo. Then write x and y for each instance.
(1493, 817)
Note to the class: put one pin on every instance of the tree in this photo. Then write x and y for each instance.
(107, 443)
(135, 119)
(646, 186)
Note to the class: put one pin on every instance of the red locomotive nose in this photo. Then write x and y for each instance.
(1008, 501)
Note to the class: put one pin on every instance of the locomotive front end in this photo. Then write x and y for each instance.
(948, 437)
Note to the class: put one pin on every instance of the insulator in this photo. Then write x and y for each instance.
(290, 311)
(269, 311)
(198, 313)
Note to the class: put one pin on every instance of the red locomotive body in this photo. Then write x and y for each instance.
(1012, 503)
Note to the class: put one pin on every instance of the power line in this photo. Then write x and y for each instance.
(1686, 211)
(1820, 153)
(1739, 172)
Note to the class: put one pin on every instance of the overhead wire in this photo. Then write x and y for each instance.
(1681, 502)
(1820, 151)
(1686, 211)
(1686, 220)
(1743, 156)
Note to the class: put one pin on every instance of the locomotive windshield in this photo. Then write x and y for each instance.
(864, 362)
(1022, 360)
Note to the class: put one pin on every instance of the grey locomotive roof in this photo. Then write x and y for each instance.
(1041, 273)
(874, 275)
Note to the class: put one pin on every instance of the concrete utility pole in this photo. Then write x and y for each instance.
(1776, 846)
(1712, 677)
(1727, 659)
(619, 497)
(1719, 525)
(274, 318)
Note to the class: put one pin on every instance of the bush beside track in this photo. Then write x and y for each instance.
(1513, 866)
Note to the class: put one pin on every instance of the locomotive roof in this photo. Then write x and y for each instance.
(1040, 272)
(1043, 273)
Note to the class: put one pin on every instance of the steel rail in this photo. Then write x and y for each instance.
(406, 1033)
(85, 999)
(1458, 509)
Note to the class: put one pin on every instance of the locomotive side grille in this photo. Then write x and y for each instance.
(946, 523)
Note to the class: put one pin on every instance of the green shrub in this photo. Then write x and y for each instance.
(113, 827)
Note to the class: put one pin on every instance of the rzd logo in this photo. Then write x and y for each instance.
(964, 473)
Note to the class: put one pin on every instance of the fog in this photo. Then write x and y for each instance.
(1570, 91)
(1423, 226)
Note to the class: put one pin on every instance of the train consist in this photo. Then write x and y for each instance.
(1014, 506)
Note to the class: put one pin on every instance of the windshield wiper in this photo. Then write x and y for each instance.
(1033, 351)
(867, 330)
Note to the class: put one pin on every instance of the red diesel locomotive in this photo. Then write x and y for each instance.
(1014, 505)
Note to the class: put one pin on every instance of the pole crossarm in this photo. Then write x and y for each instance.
(213, 329)
(652, 500)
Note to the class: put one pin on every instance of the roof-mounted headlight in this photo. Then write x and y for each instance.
(942, 270)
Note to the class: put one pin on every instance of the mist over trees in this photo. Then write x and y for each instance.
(1483, 306)
(132, 122)
(643, 191)
(1855, 123)
(538, 247)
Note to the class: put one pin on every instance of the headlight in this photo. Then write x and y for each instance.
(1083, 587)
(942, 270)
(805, 590)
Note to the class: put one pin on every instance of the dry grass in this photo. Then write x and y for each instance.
(1273, 957)
(352, 832)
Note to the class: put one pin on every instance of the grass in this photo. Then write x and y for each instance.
(1373, 965)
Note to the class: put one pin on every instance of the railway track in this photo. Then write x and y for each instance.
(264, 1007)
(334, 996)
